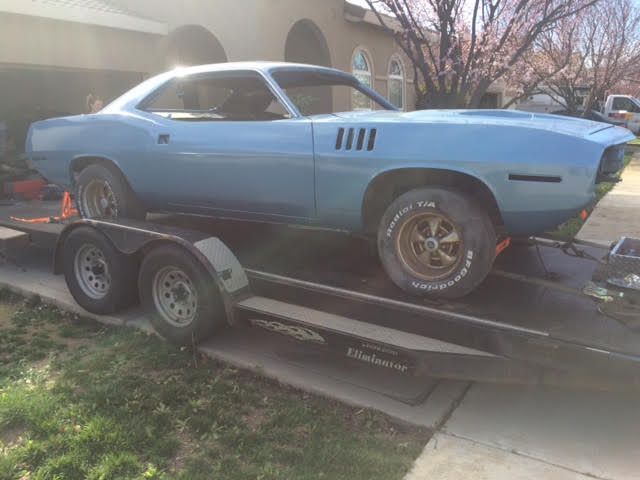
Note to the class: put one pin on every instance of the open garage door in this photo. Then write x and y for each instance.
(34, 93)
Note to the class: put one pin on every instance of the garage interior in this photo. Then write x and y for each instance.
(31, 93)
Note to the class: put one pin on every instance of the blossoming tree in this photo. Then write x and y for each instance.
(459, 48)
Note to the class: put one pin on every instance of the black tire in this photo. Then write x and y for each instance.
(125, 203)
(420, 266)
(208, 315)
(104, 296)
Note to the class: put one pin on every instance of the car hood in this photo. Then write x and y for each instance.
(565, 125)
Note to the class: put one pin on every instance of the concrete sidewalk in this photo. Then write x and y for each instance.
(618, 213)
(533, 433)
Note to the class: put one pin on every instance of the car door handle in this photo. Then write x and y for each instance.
(163, 139)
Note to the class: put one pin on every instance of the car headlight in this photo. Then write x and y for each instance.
(611, 163)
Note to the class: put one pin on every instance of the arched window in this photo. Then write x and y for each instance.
(362, 70)
(396, 83)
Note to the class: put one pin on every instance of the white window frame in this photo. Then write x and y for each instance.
(403, 80)
(371, 74)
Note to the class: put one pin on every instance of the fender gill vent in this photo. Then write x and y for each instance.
(360, 140)
(372, 139)
(350, 139)
(361, 135)
(340, 138)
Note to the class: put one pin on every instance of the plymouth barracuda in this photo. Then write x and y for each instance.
(265, 142)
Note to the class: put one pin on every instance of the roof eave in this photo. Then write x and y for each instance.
(85, 16)
(357, 14)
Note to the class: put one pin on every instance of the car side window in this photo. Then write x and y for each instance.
(222, 96)
(625, 104)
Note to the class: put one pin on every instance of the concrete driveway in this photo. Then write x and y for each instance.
(506, 432)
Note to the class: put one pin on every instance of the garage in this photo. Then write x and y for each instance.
(54, 54)
(34, 93)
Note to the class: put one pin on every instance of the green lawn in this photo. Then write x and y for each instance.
(82, 401)
(635, 142)
(570, 228)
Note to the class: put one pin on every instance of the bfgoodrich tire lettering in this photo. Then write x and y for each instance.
(449, 263)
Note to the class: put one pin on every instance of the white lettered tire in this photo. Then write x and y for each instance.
(438, 242)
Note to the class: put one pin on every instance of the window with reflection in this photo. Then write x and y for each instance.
(396, 83)
(361, 69)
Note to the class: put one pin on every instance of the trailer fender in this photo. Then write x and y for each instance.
(138, 238)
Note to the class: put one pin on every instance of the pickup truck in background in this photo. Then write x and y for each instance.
(623, 110)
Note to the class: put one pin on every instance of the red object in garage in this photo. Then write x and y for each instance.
(25, 189)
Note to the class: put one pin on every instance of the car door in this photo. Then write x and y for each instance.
(255, 161)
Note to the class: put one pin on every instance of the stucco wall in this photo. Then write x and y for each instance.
(26, 40)
(258, 29)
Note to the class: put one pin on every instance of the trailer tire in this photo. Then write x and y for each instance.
(449, 262)
(100, 278)
(103, 192)
(183, 299)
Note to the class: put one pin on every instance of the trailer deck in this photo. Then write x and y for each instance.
(519, 327)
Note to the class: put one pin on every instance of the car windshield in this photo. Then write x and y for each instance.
(318, 93)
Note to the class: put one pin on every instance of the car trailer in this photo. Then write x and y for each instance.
(550, 313)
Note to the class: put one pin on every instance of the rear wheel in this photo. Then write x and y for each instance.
(183, 299)
(436, 241)
(103, 193)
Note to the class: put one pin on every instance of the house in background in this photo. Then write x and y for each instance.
(55, 52)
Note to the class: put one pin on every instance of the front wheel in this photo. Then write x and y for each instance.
(435, 241)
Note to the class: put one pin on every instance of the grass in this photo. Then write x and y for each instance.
(82, 401)
(635, 142)
(571, 227)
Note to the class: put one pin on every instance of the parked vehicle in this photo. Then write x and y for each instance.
(264, 142)
(624, 110)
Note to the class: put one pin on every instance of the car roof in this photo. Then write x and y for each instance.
(261, 66)
(130, 99)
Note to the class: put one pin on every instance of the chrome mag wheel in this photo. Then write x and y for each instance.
(92, 271)
(99, 200)
(175, 296)
(430, 246)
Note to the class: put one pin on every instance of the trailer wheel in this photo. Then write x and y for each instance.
(100, 278)
(434, 241)
(184, 301)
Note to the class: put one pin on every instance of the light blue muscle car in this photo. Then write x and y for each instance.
(265, 142)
